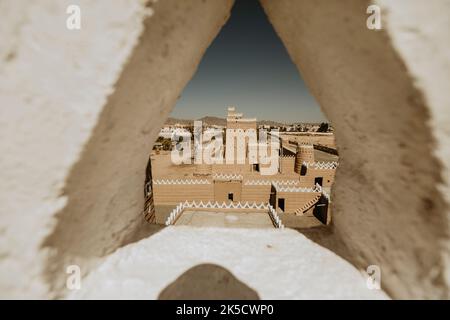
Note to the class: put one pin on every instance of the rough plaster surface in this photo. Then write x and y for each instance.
(53, 85)
(277, 264)
(80, 110)
(386, 93)
(423, 44)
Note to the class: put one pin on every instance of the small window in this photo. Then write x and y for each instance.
(303, 170)
(230, 196)
(319, 181)
(281, 204)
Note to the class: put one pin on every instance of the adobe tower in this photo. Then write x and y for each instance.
(305, 153)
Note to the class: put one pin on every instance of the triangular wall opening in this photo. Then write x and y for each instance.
(247, 70)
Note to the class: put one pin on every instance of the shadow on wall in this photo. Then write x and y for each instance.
(326, 237)
(104, 188)
(207, 282)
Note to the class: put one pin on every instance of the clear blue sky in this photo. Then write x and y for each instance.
(247, 66)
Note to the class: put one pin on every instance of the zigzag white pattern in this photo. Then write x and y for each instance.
(322, 165)
(181, 181)
(269, 182)
(281, 188)
(213, 205)
(275, 218)
(227, 176)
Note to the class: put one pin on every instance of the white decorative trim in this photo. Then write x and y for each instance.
(283, 188)
(326, 195)
(321, 165)
(173, 216)
(275, 218)
(318, 187)
(269, 182)
(181, 181)
(257, 182)
(227, 176)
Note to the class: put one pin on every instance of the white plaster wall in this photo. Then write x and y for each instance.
(277, 264)
(386, 94)
(79, 111)
(65, 195)
(53, 85)
(420, 31)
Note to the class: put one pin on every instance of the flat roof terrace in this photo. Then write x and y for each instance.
(222, 219)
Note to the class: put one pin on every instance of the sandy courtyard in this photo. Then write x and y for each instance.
(225, 219)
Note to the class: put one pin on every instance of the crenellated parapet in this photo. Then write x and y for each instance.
(178, 210)
(269, 182)
(227, 176)
(180, 181)
(286, 188)
(321, 165)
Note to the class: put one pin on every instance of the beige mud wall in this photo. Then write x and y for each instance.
(256, 193)
(79, 113)
(386, 94)
(327, 175)
(165, 194)
(287, 164)
(222, 188)
(322, 139)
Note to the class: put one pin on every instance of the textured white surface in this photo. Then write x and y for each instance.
(79, 111)
(53, 86)
(278, 264)
(417, 40)
(386, 93)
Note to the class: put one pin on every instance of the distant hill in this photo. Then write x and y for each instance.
(216, 121)
(270, 123)
(206, 120)
(171, 121)
(223, 122)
